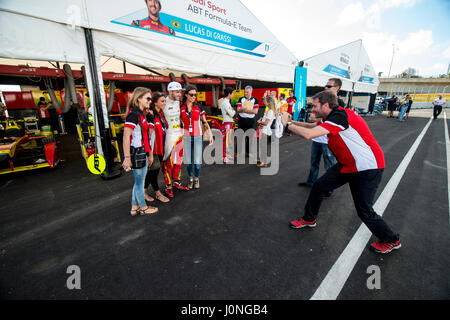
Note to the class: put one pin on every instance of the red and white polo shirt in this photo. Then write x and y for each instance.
(137, 121)
(352, 142)
(191, 120)
(158, 136)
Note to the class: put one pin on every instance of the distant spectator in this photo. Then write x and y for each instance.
(391, 105)
(437, 106)
(397, 106)
(228, 124)
(410, 102)
(403, 107)
(291, 101)
(44, 114)
(2, 111)
(266, 131)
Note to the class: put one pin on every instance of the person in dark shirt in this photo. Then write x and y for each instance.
(155, 117)
(410, 102)
(391, 106)
(334, 85)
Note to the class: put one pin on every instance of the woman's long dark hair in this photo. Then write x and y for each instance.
(155, 97)
(186, 91)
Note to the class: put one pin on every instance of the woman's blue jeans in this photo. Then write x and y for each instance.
(193, 151)
(138, 195)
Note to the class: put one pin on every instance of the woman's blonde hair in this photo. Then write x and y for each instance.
(272, 105)
(138, 93)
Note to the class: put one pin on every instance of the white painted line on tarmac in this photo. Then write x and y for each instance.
(447, 148)
(335, 279)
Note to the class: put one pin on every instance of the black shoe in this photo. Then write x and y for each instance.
(304, 184)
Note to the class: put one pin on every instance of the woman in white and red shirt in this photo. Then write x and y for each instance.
(192, 117)
(136, 135)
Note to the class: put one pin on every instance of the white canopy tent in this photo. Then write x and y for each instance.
(227, 40)
(220, 38)
(349, 62)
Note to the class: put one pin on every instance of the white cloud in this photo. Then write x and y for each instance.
(413, 51)
(438, 67)
(386, 4)
(355, 12)
(307, 29)
(417, 43)
(351, 14)
(446, 53)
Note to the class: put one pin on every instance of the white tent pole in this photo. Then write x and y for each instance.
(355, 73)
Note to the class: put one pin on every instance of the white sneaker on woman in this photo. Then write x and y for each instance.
(196, 183)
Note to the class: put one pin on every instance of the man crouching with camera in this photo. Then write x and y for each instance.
(360, 163)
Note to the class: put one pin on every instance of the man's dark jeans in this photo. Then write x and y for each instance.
(246, 124)
(437, 111)
(363, 186)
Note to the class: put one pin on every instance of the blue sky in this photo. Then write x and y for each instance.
(420, 29)
(429, 14)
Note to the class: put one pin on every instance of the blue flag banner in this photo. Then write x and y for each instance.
(337, 71)
(300, 90)
(193, 31)
(366, 79)
(187, 27)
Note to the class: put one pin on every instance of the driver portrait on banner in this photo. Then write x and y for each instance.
(152, 22)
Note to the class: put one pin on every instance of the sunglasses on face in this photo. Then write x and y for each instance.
(149, 99)
(192, 95)
(329, 86)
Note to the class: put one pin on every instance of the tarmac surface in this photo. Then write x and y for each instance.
(230, 239)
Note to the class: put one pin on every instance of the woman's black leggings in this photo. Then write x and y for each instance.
(152, 176)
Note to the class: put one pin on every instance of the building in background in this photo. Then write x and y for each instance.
(422, 90)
